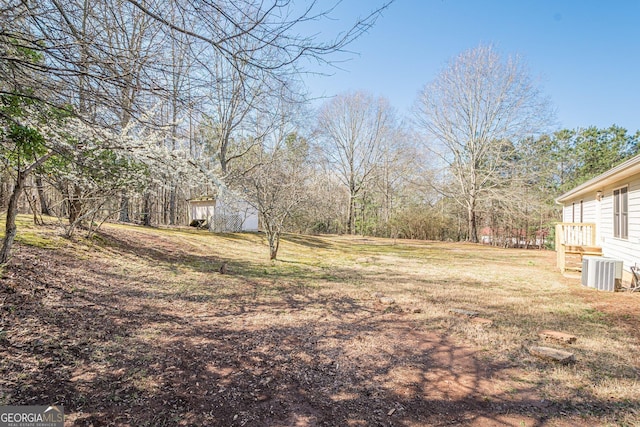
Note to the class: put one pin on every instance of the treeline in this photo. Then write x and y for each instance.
(410, 198)
(124, 111)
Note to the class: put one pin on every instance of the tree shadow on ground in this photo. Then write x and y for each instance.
(169, 256)
(117, 352)
(308, 241)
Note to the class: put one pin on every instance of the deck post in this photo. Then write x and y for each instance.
(560, 247)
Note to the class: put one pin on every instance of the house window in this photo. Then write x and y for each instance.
(573, 212)
(620, 213)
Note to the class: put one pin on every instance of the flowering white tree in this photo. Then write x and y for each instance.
(28, 138)
(90, 163)
(85, 71)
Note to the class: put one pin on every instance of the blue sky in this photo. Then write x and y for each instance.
(585, 53)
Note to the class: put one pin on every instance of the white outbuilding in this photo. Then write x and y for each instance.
(226, 214)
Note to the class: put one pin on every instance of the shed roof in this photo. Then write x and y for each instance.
(623, 171)
(202, 199)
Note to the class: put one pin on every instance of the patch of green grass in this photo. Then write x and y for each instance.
(30, 234)
(38, 240)
(592, 315)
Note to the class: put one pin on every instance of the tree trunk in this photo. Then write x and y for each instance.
(12, 212)
(172, 205)
(75, 205)
(352, 215)
(124, 209)
(473, 230)
(44, 205)
(165, 207)
(3, 193)
(274, 244)
(146, 214)
(222, 156)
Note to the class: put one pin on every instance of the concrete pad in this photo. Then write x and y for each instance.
(461, 312)
(557, 336)
(552, 354)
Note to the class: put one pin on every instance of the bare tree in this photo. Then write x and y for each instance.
(235, 102)
(470, 114)
(90, 59)
(397, 172)
(262, 39)
(275, 185)
(353, 127)
(273, 27)
(325, 208)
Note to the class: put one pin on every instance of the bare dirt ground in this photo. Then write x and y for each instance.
(138, 328)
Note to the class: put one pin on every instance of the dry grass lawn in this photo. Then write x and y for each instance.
(135, 326)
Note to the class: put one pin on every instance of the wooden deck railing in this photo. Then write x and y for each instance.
(575, 238)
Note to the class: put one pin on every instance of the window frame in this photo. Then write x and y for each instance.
(581, 211)
(620, 200)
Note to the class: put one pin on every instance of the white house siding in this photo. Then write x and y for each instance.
(568, 213)
(625, 174)
(606, 223)
(634, 220)
(588, 210)
(628, 249)
(589, 207)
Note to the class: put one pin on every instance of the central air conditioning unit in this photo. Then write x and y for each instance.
(604, 274)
